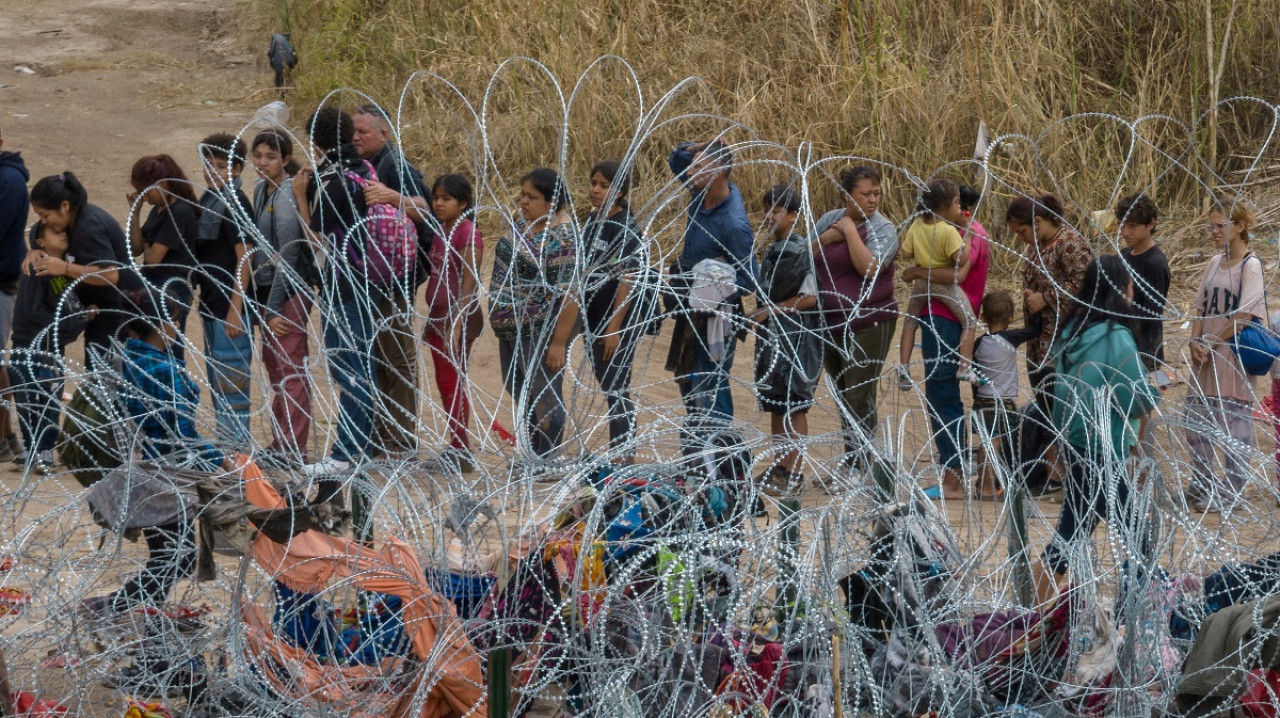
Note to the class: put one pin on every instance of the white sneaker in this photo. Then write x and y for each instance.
(904, 379)
(325, 467)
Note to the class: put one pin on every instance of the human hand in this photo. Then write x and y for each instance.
(1199, 352)
(609, 345)
(1034, 300)
(556, 355)
(278, 326)
(301, 182)
(29, 263)
(131, 197)
(47, 266)
(912, 273)
(378, 193)
(235, 323)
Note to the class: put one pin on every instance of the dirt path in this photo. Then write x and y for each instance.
(107, 81)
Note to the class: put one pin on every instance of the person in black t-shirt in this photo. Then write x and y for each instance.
(224, 281)
(1136, 216)
(167, 238)
(611, 247)
(331, 205)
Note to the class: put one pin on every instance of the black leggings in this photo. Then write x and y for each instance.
(171, 555)
(1085, 504)
(614, 377)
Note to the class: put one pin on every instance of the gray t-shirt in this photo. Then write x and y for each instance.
(997, 359)
(882, 236)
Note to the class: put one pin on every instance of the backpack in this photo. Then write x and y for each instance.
(391, 239)
(88, 446)
(720, 456)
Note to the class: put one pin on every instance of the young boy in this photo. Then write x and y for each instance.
(995, 356)
(1137, 215)
(788, 346)
(223, 278)
(933, 241)
(36, 366)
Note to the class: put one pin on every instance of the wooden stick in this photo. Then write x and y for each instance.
(835, 676)
(6, 694)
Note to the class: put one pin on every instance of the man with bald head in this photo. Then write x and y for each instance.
(399, 184)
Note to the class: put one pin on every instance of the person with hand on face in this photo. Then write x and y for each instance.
(225, 278)
(454, 319)
(717, 229)
(167, 239)
(400, 185)
(611, 246)
(532, 269)
(284, 273)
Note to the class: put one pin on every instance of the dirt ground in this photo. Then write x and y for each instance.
(91, 85)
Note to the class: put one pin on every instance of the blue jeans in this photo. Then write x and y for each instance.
(940, 340)
(349, 334)
(227, 362)
(705, 389)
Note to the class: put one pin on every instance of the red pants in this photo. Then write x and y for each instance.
(1275, 421)
(285, 360)
(451, 381)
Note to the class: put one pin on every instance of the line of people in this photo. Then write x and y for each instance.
(359, 232)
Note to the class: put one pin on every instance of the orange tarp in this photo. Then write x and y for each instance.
(452, 672)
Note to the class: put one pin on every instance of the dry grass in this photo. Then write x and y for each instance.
(903, 81)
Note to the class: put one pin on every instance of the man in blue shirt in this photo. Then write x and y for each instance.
(718, 229)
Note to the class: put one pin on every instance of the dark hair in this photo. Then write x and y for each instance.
(619, 182)
(330, 128)
(1024, 210)
(719, 153)
(851, 176)
(146, 313)
(781, 195)
(224, 145)
(162, 171)
(547, 183)
(997, 306)
(456, 186)
(938, 194)
(50, 192)
(1101, 297)
(280, 142)
(969, 197)
(1137, 208)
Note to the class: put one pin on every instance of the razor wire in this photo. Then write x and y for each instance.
(574, 583)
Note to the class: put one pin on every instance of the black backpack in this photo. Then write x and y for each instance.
(720, 457)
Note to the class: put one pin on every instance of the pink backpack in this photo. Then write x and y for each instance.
(391, 239)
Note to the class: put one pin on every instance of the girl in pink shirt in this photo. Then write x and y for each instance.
(454, 320)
